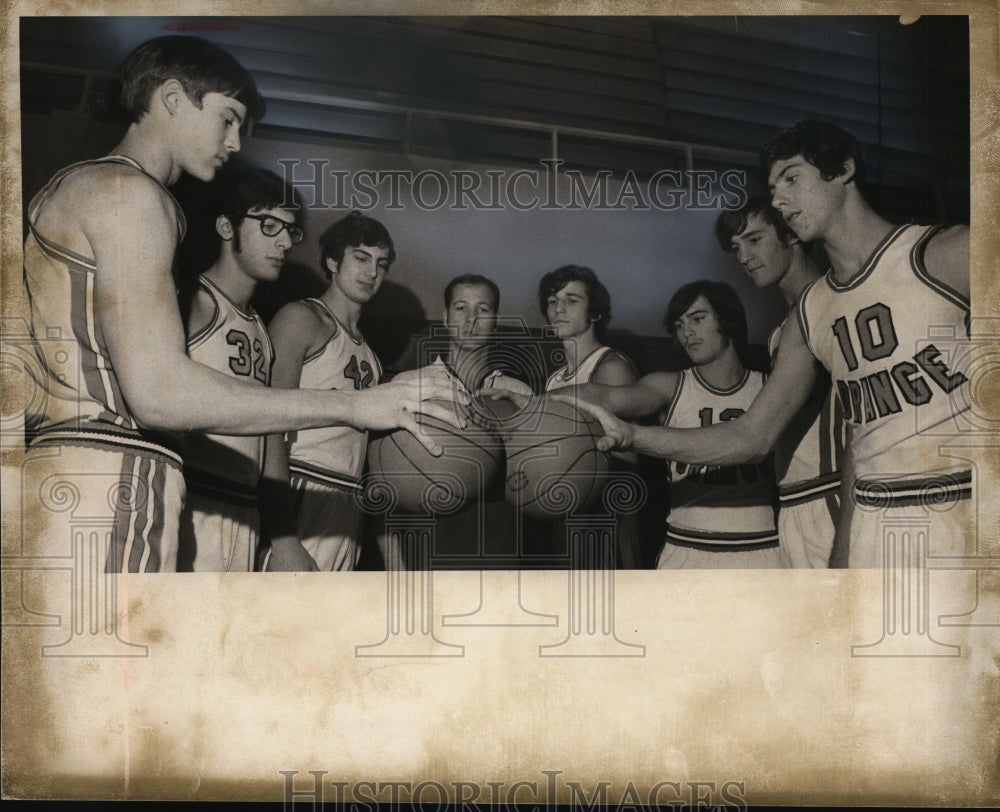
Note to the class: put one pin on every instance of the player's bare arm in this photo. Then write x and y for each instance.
(140, 320)
(200, 312)
(613, 370)
(946, 258)
(497, 380)
(748, 437)
(296, 331)
(648, 395)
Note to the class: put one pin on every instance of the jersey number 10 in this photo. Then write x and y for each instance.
(876, 334)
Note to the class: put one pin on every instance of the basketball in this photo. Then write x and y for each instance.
(553, 463)
(422, 483)
(498, 414)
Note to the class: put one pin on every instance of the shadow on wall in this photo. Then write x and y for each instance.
(297, 281)
(390, 322)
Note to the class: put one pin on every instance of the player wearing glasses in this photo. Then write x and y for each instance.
(257, 223)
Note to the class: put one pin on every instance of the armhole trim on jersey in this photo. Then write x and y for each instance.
(599, 354)
(122, 160)
(54, 250)
(317, 304)
(199, 337)
(803, 318)
(676, 398)
(921, 272)
(774, 337)
(270, 349)
(127, 161)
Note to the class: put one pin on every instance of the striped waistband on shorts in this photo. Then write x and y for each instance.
(721, 542)
(928, 490)
(113, 439)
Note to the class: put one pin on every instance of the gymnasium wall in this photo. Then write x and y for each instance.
(513, 230)
(642, 251)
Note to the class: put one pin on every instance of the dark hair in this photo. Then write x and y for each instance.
(724, 301)
(472, 279)
(353, 230)
(238, 193)
(822, 143)
(733, 222)
(197, 64)
(598, 298)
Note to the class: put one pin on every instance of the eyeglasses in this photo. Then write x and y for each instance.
(273, 226)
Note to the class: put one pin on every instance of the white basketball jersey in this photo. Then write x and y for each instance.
(344, 362)
(892, 340)
(83, 402)
(809, 453)
(236, 343)
(582, 374)
(731, 504)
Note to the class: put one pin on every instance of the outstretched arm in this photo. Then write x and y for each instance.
(137, 311)
(749, 437)
(648, 395)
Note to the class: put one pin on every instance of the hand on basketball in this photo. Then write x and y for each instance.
(618, 435)
(432, 382)
(393, 405)
(497, 380)
(495, 390)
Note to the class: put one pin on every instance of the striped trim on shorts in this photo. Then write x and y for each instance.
(934, 490)
(800, 492)
(146, 501)
(722, 542)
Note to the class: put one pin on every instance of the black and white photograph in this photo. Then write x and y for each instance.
(588, 404)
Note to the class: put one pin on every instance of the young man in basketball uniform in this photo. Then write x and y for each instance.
(887, 320)
(578, 306)
(810, 451)
(720, 517)
(98, 268)
(259, 221)
(318, 345)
